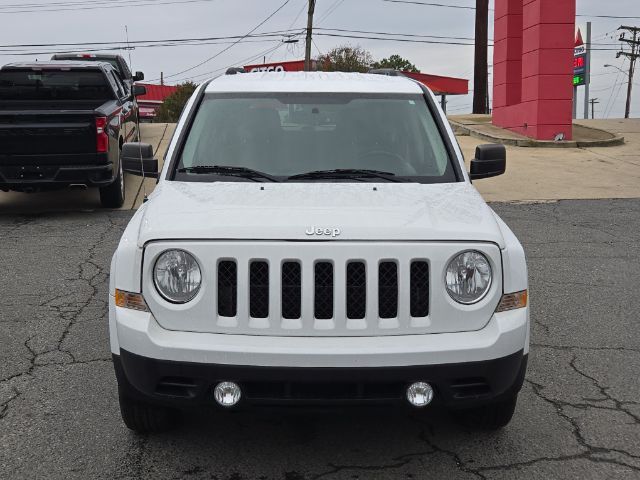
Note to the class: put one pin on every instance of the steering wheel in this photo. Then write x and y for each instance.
(407, 168)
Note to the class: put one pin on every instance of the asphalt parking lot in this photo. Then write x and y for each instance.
(578, 415)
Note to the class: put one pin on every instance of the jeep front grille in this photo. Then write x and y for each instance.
(323, 291)
(259, 289)
(227, 288)
(387, 290)
(356, 290)
(419, 285)
(355, 283)
(291, 290)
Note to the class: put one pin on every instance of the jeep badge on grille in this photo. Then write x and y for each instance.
(321, 231)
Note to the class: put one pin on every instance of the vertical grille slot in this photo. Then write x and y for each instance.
(259, 289)
(387, 290)
(227, 288)
(291, 290)
(323, 291)
(356, 290)
(419, 287)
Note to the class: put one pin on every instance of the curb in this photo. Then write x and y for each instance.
(462, 129)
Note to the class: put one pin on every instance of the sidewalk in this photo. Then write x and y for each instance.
(538, 174)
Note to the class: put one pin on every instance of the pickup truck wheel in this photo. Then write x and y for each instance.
(489, 417)
(145, 418)
(112, 196)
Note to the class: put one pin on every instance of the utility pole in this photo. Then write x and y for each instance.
(307, 53)
(481, 73)
(593, 102)
(632, 56)
(587, 71)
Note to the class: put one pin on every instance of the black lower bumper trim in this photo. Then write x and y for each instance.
(43, 177)
(184, 384)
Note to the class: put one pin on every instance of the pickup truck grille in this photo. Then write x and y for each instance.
(323, 290)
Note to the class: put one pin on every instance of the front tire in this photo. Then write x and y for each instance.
(112, 196)
(493, 416)
(146, 418)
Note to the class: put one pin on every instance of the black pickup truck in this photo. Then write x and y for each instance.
(117, 61)
(63, 124)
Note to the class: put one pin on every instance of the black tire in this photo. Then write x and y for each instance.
(112, 196)
(145, 418)
(489, 417)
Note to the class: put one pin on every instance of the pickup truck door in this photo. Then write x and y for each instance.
(128, 116)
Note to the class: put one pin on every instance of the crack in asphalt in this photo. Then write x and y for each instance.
(69, 312)
(90, 278)
(590, 450)
(578, 347)
(619, 406)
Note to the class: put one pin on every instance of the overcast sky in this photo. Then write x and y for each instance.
(215, 18)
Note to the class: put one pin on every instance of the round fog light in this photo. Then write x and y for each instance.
(227, 394)
(420, 394)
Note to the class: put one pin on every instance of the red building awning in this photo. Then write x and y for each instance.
(156, 93)
(440, 85)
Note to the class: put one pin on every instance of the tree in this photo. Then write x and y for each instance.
(396, 62)
(346, 58)
(170, 110)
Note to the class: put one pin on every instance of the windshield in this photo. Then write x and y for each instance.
(54, 85)
(284, 135)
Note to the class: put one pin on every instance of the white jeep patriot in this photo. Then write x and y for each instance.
(315, 238)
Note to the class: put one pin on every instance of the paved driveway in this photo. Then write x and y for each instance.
(578, 416)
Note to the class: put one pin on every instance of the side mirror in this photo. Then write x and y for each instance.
(138, 77)
(490, 161)
(139, 90)
(138, 159)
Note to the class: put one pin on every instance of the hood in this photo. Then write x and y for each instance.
(332, 211)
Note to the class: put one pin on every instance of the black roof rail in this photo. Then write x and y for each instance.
(235, 70)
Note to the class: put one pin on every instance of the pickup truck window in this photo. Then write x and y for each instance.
(283, 135)
(117, 85)
(30, 84)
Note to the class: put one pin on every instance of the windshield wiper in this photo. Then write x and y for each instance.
(347, 173)
(242, 172)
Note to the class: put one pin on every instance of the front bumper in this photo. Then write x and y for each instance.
(181, 368)
(138, 332)
(183, 384)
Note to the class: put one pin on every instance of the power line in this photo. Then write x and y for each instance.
(276, 33)
(233, 44)
(96, 6)
(330, 10)
(610, 16)
(395, 34)
(430, 4)
(244, 61)
(23, 53)
(409, 40)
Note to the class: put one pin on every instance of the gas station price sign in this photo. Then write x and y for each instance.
(579, 65)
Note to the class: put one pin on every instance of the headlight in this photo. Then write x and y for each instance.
(177, 276)
(468, 277)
